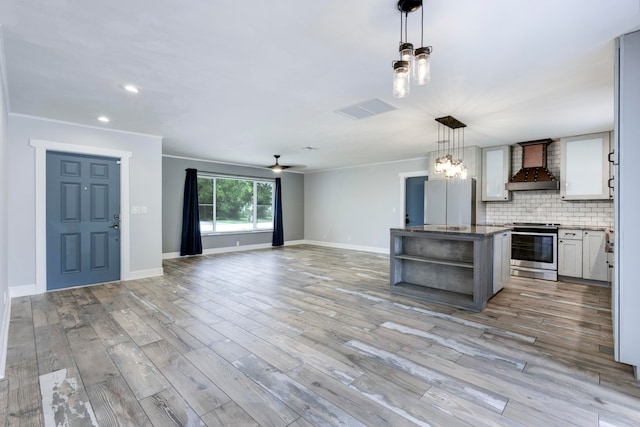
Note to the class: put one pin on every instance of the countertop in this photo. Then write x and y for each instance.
(472, 230)
(560, 227)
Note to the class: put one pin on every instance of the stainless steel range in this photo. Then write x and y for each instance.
(534, 250)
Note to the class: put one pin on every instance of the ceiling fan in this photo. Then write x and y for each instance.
(278, 167)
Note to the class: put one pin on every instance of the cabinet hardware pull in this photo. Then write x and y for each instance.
(609, 183)
(609, 157)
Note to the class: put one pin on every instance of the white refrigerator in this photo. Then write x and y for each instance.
(450, 202)
(625, 286)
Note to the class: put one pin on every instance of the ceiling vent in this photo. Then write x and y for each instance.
(365, 109)
(534, 174)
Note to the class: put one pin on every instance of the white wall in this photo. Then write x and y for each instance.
(4, 278)
(355, 207)
(145, 190)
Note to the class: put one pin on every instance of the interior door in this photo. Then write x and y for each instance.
(414, 200)
(83, 220)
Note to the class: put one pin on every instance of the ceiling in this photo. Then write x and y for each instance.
(239, 81)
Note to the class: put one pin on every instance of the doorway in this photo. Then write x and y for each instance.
(414, 200)
(82, 219)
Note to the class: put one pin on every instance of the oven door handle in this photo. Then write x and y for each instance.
(528, 233)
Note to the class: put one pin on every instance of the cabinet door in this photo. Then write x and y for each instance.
(496, 166)
(506, 258)
(585, 167)
(498, 283)
(594, 257)
(501, 260)
(570, 258)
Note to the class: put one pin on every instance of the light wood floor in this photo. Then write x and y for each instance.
(304, 335)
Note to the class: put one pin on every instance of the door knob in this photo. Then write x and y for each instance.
(116, 225)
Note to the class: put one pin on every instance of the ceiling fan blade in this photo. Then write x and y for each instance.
(278, 167)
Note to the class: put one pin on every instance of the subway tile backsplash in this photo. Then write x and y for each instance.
(546, 205)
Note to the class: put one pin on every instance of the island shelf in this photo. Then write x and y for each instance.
(448, 265)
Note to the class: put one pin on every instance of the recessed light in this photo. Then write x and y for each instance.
(103, 119)
(131, 88)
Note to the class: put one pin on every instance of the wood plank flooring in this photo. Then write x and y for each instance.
(310, 336)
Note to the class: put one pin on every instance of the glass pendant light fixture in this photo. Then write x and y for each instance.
(450, 154)
(422, 59)
(401, 73)
(422, 69)
(412, 62)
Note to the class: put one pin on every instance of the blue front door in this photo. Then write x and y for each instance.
(414, 200)
(83, 220)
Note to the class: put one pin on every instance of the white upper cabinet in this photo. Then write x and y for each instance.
(496, 166)
(585, 167)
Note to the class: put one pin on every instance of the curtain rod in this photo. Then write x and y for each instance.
(235, 175)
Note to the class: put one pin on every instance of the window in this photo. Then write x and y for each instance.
(234, 204)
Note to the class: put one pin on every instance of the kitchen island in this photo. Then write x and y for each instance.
(445, 264)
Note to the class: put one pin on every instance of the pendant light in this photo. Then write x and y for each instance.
(450, 154)
(412, 62)
(401, 73)
(422, 59)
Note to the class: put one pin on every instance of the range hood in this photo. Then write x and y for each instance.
(534, 174)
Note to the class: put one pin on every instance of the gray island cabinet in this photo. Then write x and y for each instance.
(445, 264)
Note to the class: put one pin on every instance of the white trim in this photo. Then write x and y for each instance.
(41, 147)
(403, 191)
(23, 291)
(226, 249)
(143, 274)
(368, 164)
(4, 339)
(373, 249)
(193, 159)
(106, 129)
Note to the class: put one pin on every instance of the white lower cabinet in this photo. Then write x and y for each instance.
(594, 257)
(581, 254)
(570, 253)
(501, 260)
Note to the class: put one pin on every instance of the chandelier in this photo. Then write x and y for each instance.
(412, 62)
(450, 148)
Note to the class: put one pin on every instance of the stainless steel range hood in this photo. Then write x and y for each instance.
(534, 174)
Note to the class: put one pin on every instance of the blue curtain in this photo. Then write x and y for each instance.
(278, 233)
(191, 238)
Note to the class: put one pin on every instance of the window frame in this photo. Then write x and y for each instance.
(255, 181)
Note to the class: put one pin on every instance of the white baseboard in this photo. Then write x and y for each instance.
(4, 339)
(171, 255)
(23, 291)
(373, 249)
(28, 290)
(143, 274)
